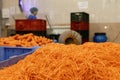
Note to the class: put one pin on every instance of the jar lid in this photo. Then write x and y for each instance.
(100, 33)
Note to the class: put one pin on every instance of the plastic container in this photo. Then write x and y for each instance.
(100, 37)
(11, 55)
(79, 16)
(7, 52)
(80, 23)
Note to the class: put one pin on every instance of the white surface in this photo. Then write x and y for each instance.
(83, 5)
(12, 10)
(101, 11)
(5, 13)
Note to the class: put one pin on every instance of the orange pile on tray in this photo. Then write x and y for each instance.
(26, 40)
(90, 61)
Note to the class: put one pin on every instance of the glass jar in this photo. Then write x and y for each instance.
(100, 37)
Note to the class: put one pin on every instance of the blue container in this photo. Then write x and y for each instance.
(100, 37)
(7, 52)
(11, 55)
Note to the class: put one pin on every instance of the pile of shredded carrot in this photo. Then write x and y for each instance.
(90, 61)
(26, 40)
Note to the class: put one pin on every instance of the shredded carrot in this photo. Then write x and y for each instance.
(26, 40)
(90, 61)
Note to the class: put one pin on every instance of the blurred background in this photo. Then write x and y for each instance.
(104, 15)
